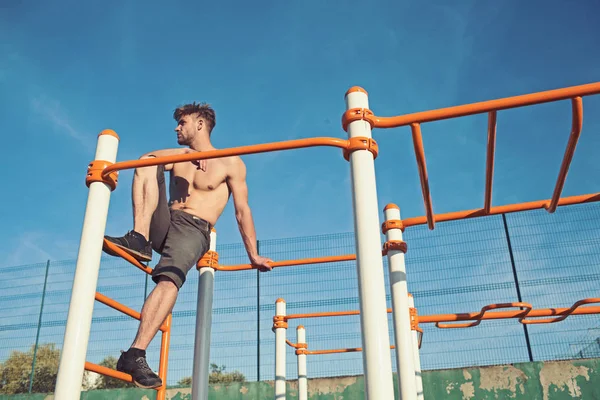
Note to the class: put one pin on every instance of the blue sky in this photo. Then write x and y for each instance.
(277, 71)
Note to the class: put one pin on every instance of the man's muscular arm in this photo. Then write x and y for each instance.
(236, 180)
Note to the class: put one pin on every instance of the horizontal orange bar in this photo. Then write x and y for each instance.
(108, 372)
(122, 308)
(290, 263)
(334, 351)
(544, 312)
(128, 257)
(326, 314)
(487, 106)
(234, 151)
(453, 216)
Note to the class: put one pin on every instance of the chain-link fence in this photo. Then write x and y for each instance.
(543, 259)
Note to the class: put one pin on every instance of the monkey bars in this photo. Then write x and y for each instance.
(415, 121)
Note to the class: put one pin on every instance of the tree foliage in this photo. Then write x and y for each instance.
(15, 371)
(217, 375)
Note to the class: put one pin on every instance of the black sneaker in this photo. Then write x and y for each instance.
(133, 243)
(133, 362)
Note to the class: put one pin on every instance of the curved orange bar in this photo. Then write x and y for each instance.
(533, 205)
(576, 309)
(487, 106)
(234, 151)
(482, 314)
(568, 157)
(564, 315)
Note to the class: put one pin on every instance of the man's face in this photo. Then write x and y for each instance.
(186, 129)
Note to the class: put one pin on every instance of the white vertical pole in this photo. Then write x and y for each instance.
(377, 361)
(302, 374)
(200, 373)
(280, 350)
(417, 356)
(401, 313)
(81, 307)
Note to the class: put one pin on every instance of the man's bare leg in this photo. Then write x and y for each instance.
(156, 308)
(144, 196)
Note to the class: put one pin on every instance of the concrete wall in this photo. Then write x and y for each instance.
(532, 381)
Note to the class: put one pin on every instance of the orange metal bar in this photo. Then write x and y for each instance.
(234, 151)
(122, 308)
(164, 358)
(483, 312)
(568, 157)
(487, 106)
(289, 263)
(540, 204)
(108, 372)
(333, 351)
(326, 314)
(420, 154)
(489, 168)
(562, 313)
(123, 254)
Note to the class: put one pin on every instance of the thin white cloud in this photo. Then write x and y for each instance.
(51, 110)
(28, 250)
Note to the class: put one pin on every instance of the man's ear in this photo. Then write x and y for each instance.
(200, 124)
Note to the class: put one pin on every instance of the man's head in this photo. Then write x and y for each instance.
(193, 119)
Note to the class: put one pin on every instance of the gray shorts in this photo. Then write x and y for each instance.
(180, 238)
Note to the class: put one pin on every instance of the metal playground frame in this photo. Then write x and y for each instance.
(360, 150)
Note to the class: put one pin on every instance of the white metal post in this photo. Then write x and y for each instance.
(200, 373)
(302, 374)
(400, 311)
(280, 352)
(81, 307)
(417, 356)
(377, 361)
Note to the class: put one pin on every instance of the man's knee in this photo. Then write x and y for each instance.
(146, 171)
(167, 282)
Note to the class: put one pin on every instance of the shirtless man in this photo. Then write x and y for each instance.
(180, 229)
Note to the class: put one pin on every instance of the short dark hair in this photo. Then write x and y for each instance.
(202, 109)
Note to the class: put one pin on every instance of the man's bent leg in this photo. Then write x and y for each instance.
(156, 308)
(150, 210)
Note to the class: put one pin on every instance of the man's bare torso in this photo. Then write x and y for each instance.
(200, 193)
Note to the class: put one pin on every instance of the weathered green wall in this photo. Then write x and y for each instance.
(532, 381)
